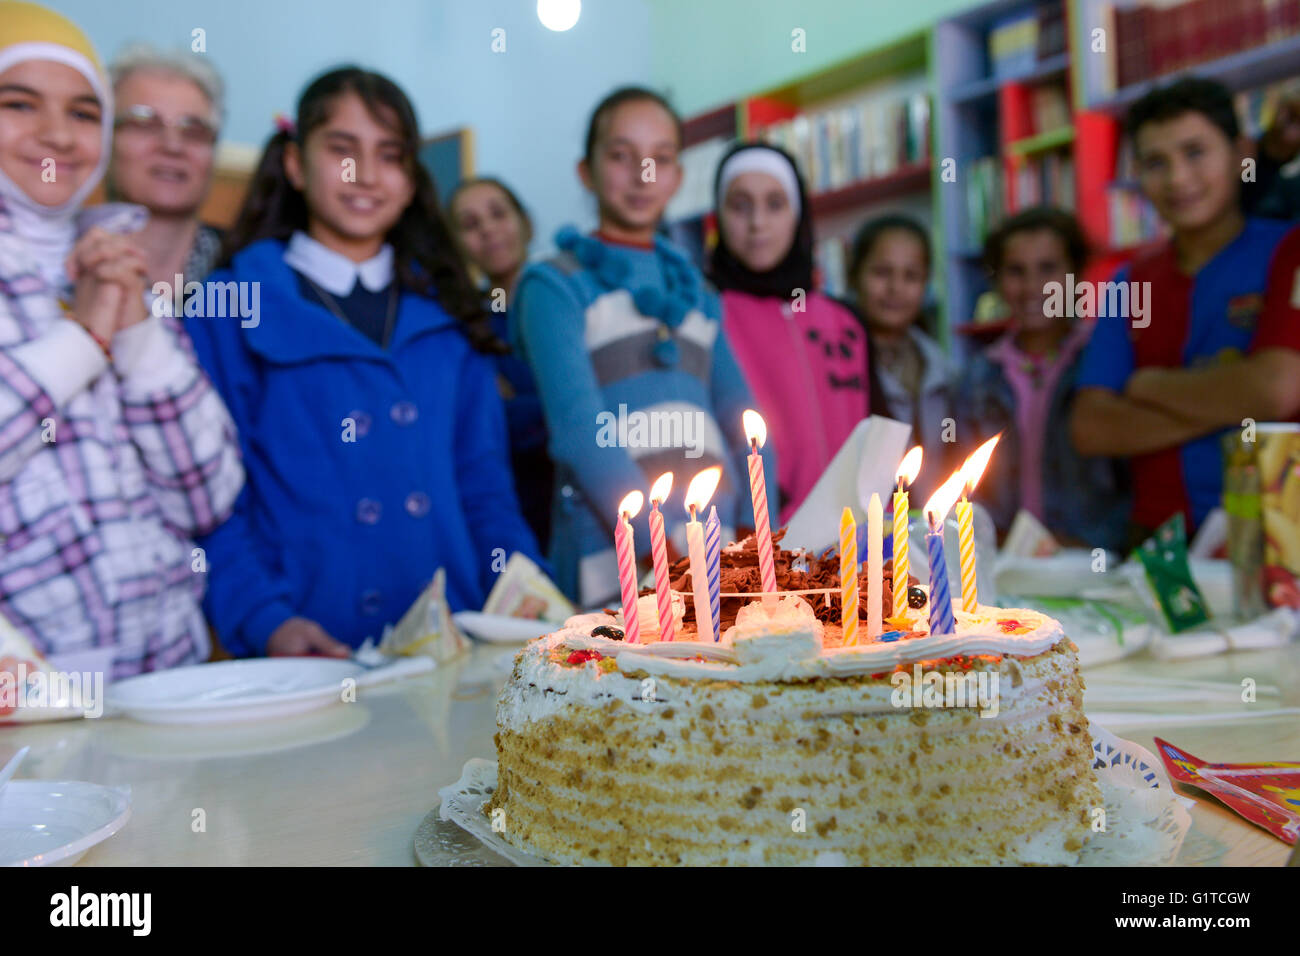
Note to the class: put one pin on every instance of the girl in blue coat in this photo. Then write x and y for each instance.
(359, 376)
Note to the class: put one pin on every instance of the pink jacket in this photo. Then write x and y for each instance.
(808, 373)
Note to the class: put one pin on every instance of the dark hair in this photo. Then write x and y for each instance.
(873, 230)
(509, 193)
(622, 95)
(1038, 218)
(426, 257)
(1188, 94)
(795, 271)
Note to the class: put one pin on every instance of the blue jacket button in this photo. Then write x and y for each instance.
(362, 420)
(369, 511)
(404, 413)
(417, 504)
(371, 602)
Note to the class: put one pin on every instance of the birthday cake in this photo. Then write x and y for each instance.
(780, 745)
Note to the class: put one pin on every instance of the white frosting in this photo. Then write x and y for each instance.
(763, 656)
(647, 615)
(797, 658)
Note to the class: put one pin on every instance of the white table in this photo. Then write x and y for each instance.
(350, 784)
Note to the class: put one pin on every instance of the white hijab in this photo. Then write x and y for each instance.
(49, 232)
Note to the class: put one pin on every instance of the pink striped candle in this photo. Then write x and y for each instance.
(626, 551)
(756, 432)
(659, 553)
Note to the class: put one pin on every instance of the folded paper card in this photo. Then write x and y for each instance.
(865, 464)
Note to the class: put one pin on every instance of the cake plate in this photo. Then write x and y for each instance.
(1145, 821)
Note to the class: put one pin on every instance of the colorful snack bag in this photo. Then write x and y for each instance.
(1278, 458)
(1241, 502)
(1266, 794)
(1163, 557)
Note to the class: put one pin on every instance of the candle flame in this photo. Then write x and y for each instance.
(973, 468)
(631, 504)
(702, 487)
(908, 469)
(755, 427)
(663, 485)
(941, 502)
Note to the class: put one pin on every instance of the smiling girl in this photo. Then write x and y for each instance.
(494, 232)
(114, 449)
(366, 399)
(620, 327)
(1024, 384)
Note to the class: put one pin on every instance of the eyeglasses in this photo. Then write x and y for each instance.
(147, 121)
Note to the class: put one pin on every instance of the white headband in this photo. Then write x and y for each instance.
(757, 159)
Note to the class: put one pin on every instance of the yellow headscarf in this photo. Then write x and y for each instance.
(29, 31)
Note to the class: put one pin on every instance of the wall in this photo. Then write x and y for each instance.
(707, 52)
(528, 106)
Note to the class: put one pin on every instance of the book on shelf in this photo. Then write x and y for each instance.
(1052, 38)
(1158, 37)
(1132, 219)
(863, 140)
(1013, 44)
(1050, 107)
(699, 166)
(830, 260)
(1046, 180)
(1258, 107)
(984, 199)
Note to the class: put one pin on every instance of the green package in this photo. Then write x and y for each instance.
(1164, 558)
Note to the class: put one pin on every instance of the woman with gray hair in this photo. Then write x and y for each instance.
(168, 114)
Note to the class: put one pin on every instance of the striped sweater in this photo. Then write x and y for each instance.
(635, 378)
(107, 472)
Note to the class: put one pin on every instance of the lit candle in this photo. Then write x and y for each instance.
(936, 511)
(849, 577)
(698, 494)
(628, 508)
(971, 471)
(713, 567)
(875, 565)
(659, 555)
(906, 474)
(756, 432)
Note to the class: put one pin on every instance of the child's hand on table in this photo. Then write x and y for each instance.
(299, 637)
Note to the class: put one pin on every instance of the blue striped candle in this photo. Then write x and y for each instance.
(713, 568)
(941, 619)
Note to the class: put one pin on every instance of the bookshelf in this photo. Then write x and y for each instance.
(860, 131)
(1004, 116)
(1241, 43)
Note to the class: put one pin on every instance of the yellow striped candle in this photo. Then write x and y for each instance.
(966, 551)
(901, 569)
(971, 471)
(849, 577)
(908, 469)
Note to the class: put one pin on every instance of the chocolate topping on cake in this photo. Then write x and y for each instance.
(740, 574)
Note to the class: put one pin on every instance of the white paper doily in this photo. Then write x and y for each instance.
(1145, 824)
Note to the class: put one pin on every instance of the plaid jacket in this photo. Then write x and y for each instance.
(106, 474)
